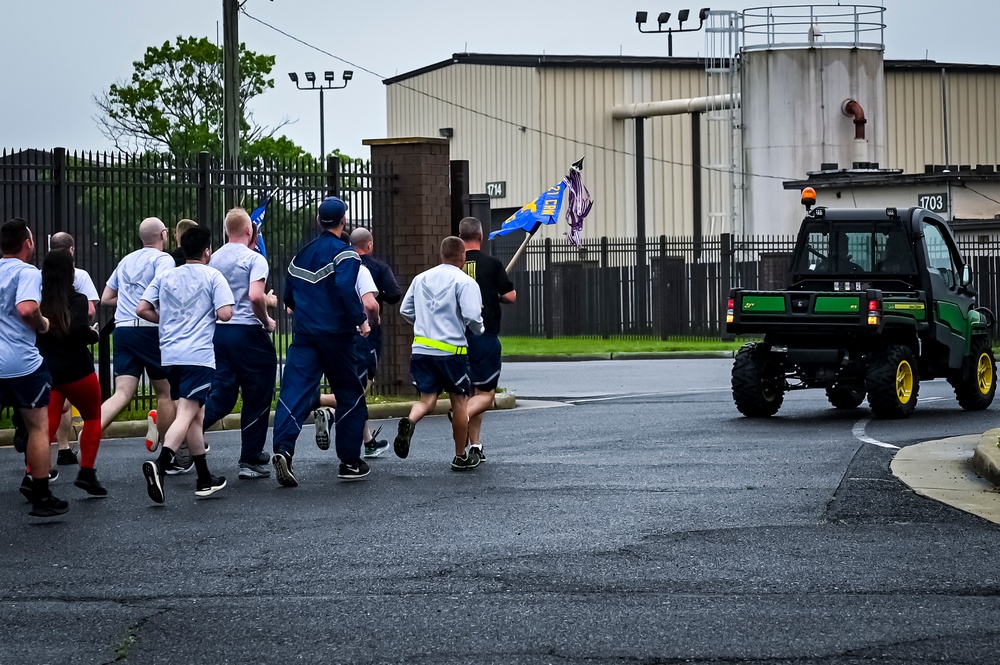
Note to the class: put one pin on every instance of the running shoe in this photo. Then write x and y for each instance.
(209, 486)
(152, 435)
(26, 489)
(283, 470)
(154, 481)
(323, 421)
(182, 462)
(402, 443)
(66, 457)
(88, 482)
(375, 447)
(466, 462)
(252, 471)
(477, 449)
(48, 506)
(353, 471)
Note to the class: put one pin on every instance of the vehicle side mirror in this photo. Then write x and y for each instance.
(966, 275)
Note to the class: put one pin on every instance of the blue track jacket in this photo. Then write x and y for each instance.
(320, 288)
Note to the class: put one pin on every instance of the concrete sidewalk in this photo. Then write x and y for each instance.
(961, 471)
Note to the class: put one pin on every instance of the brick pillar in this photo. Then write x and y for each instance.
(419, 211)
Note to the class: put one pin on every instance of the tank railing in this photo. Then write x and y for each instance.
(818, 26)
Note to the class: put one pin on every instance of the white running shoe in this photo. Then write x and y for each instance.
(152, 435)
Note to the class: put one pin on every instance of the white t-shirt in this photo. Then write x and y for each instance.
(187, 298)
(241, 266)
(19, 282)
(365, 283)
(131, 277)
(82, 283)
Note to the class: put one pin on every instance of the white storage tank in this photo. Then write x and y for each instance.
(813, 95)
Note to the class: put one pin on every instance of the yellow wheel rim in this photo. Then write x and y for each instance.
(984, 374)
(904, 382)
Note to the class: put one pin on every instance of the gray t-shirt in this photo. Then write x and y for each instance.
(131, 277)
(240, 265)
(82, 283)
(19, 282)
(187, 298)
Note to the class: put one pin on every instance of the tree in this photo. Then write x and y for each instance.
(174, 99)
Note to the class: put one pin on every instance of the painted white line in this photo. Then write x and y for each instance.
(674, 393)
(859, 433)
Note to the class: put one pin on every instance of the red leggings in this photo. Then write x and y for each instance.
(85, 395)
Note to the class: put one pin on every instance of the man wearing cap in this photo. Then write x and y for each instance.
(136, 341)
(321, 292)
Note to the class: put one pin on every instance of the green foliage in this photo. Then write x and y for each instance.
(174, 99)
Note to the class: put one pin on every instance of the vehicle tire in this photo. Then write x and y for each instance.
(977, 385)
(758, 381)
(892, 382)
(846, 397)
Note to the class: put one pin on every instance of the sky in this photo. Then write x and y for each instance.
(56, 55)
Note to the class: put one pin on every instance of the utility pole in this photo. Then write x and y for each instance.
(231, 113)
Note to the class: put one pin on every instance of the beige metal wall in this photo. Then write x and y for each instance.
(916, 131)
(566, 113)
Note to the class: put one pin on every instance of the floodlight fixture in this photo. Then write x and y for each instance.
(294, 77)
(682, 16)
(311, 77)
(703, 14)
(663, 17)
(640, 17)
(330, 76)
(348, 74)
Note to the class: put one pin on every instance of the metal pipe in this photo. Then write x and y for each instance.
(852, 109)
(674, 106)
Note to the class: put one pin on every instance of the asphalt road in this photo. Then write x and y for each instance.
(637, 519)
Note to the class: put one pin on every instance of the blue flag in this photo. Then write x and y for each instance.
(257, 217)
(543, 210)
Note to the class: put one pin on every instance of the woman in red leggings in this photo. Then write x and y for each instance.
(66, 350)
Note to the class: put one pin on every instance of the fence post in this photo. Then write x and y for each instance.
(58, 195)
(333, 176)
(660, 291)
(104, 359)
(726, 279)
(204, 187)
(606, 308)
(548, 304)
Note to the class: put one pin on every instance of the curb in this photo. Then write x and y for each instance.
(621, 355)
(136, 428)
(986, 458)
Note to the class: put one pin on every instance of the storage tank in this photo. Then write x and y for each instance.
(813, 95)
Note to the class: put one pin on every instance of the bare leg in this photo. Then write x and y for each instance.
(196, 433)
(65, 423)
(479, 404)
(420, 409)
(37, 455)
(328, 401)
(125, 387)
(166, 408)
(460, 422)
(188, 411)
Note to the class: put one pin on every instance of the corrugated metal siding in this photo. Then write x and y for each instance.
(567, 113)
(916, 119)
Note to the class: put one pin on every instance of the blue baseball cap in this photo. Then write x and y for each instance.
(331, 211)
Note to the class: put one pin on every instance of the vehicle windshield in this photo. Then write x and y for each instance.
(855, 247)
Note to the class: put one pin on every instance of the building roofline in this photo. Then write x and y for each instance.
(633, 61)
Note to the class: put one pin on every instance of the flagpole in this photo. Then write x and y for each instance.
(524, 245)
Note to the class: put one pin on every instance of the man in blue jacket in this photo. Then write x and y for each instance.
(326, 314)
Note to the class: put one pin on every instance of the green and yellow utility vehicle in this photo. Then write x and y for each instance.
(879, 301)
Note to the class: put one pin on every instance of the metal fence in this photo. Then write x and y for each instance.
(100, 199)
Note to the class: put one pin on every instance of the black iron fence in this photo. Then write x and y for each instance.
(101, 198)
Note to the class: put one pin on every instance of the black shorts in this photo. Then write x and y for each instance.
(367, 357)
(432, 374)
(484, 361)
(138, 349)
(192, 382)
(30, 391)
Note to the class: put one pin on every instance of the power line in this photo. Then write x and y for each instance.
(511, 123)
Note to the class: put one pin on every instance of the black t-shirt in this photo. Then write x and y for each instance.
(493, 282)
(68, 357)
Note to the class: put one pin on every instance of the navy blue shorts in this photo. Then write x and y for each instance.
(138, 349)
(30, 391)
(367, 357)
(484, 361)
(192, 382)
(432, 374)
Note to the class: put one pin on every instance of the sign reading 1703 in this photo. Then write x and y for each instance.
(933, 202)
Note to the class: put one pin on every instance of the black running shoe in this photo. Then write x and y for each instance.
(48, 506)
(323, 421)
(375, 447)
(154, 481)
(466, 462)
(66, 457)
(354, 470)
(25, 489)
(477, 450)
(283, 470)
(402, 443)
(181, 463)
(88, 482)
(210, 486)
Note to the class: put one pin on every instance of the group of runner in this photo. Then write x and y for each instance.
(198, 325)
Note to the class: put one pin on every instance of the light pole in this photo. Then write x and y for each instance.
(682, 16)
(329, 79)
